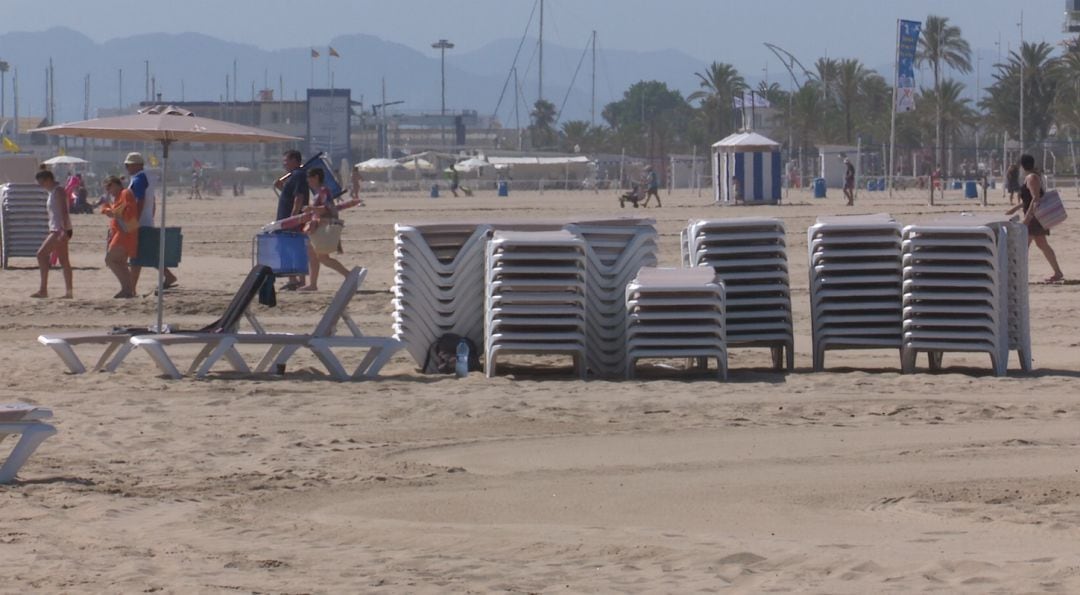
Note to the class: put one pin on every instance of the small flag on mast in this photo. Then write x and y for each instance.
(314, 54)
(333, 52)
(10, 146)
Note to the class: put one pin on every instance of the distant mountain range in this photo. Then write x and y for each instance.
(193, 67)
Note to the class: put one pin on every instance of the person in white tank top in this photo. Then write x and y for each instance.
(57, 239)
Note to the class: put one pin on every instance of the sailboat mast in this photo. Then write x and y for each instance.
(540, 91)
(592, 103)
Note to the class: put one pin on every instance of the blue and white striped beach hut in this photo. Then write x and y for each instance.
(754, 161)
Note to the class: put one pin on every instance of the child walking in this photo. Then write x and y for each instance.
(325, 214)
(59, 235)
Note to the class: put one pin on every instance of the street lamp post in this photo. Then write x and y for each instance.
(442, 45)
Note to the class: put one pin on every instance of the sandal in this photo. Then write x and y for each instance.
(1054, 279)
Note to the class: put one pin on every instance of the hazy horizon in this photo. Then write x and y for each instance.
(707, 30)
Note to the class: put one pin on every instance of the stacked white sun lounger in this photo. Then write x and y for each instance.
(675, 313)
(616, 250)
(955, 293)
(855, 283)
(535, 296)
(750, 257)
(1013, 280)
(438, 283)
(24, 222)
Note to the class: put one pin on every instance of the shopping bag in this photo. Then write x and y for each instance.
(1050, 211)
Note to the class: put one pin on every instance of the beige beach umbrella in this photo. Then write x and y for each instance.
(165, 124)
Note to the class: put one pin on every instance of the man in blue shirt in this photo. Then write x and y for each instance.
(293, 198)
(144, 199)
(293, 186)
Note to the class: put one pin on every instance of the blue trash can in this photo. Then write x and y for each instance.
(957, 185)
(434, 191)
(971, 190)
(819, 187)
(285, 252)
(504, 188)
(150, 239)
(871, 185)
(881, 184)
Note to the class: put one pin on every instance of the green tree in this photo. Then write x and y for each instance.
(542, 129)
(649, 119)
(828, 75)
(1043, 74)
(579, 134)
(850, 79)
(941, 45)
(946, 110)
(719, 84)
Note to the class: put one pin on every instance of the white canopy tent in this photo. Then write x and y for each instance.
(751, 159)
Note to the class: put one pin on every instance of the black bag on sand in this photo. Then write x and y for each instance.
(442, 355)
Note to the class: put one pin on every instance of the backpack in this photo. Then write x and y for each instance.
(442, 355)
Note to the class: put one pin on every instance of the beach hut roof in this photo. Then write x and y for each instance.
(747, 141)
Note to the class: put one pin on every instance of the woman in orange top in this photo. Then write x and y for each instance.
(123, 233)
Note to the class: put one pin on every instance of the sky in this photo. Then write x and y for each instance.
(721, 30)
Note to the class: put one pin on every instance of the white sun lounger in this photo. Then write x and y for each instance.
(25, 420)
(321, 341)
(117, 342)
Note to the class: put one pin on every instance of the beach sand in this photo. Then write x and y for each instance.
(854, 480)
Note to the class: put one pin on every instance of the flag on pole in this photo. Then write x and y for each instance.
(907, 44)
(153, 160)
(333, 52)
(314, 54)
(10, 146)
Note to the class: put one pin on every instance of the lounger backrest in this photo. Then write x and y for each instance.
(338, 306)
(230, 320)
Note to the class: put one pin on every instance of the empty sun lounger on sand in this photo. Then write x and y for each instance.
(321, 341)
(117, 342)
(25, 420)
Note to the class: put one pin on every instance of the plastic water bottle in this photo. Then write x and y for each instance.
(461, 368)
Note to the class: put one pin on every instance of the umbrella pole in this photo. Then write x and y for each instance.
(161, 238)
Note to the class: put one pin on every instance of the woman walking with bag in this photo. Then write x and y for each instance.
(324, 231)
(1030, 192)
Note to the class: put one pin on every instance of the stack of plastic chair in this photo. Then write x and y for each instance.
(535, 296)
(750, 257)
(855, 283)
(616, 250)
(952, 293)
(1014, 279)
(438, 284)
(24, 222)
(675, 313)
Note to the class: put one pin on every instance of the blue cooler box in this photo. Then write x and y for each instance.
(285, 252)
(150, 239)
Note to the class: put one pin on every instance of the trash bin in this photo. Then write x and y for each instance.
(434, 191)
(971, 190)
(150, 239)
(285, 252)
(957, 185)
(504, 188)
(819, 187)
(871, 185)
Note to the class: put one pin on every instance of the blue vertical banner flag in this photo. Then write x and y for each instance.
(907, 43)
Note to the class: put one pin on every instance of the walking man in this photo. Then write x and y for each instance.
(294, 197)
(144, 200)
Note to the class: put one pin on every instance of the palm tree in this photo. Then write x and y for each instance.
(542, 131)
(720, 83)
(851, 76)
(940, 45)
(828, 72)
(1044, 76)
(955, 111)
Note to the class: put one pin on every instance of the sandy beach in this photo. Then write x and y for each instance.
(855, 480)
